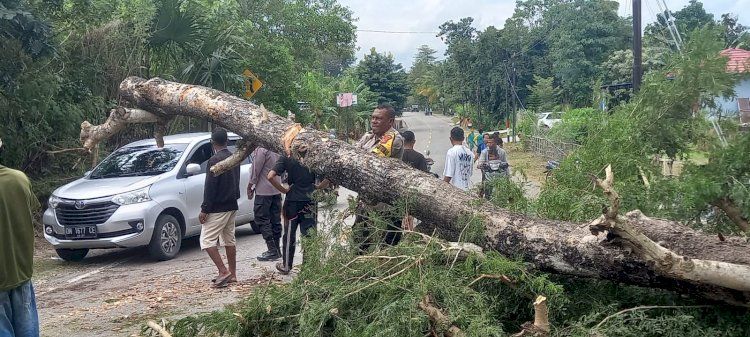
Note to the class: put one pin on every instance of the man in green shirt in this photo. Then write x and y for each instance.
(18, 315)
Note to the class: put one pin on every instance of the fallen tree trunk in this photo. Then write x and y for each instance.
(553, 246)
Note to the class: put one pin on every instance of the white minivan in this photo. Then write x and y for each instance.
(140, 195)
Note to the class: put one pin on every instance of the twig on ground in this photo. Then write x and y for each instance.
(158, 328)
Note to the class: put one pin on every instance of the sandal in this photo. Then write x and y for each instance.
(221, 282)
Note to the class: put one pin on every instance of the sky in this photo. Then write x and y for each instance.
(426, 15)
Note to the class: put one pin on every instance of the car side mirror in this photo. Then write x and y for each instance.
(193, 169)
(88, 173)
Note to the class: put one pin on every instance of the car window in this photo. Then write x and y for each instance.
(556, 115)
(201, 156)
(132, 161)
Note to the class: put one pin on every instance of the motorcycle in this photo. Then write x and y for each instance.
(490, 170)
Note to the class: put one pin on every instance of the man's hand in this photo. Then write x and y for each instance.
(202, 217)
(250, 191)
(284, 189)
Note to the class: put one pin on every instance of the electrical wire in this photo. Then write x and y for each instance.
(393, 32)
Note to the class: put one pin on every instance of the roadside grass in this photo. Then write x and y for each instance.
(526, 163)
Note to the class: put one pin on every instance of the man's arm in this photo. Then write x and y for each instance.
(278, 169)
(259, 161)
(450, 167)
(397, 150)
(276, 183)
(209, 189)
(422, 164)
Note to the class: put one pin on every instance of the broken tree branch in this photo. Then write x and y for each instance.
(733, 212)
(648, 307)
(552, 246)
(439, 319)
(118, 120)
(244, 149)
(540, 326)
(158, 328)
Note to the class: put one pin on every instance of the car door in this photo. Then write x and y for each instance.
(200, 155)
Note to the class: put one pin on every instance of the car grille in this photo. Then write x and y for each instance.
(90, 214)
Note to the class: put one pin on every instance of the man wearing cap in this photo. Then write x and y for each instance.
(18, 315)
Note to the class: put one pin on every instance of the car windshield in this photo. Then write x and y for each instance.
(132, 161)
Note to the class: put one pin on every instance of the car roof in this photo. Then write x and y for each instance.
(182, 138)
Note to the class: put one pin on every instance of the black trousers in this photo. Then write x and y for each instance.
(267, 211)
(299, 214)
(364, 230)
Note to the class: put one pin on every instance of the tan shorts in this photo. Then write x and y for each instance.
(218, 227)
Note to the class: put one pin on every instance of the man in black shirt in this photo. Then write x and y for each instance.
(218, 210)
(412, 157)
(299, 208)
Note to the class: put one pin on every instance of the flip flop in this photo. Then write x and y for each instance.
(221, 282)
(213, 280)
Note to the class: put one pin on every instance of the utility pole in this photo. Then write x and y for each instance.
(637, 46)
(514, 97)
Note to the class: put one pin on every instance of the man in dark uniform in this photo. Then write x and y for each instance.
(299, 208)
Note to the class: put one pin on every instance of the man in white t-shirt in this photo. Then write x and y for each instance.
(458, 161)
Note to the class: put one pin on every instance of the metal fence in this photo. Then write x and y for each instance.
(549, 149)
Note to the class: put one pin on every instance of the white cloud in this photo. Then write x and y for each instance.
(427, 15)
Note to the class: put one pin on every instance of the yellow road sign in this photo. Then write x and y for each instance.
(252, 83)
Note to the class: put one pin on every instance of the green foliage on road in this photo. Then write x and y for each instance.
(339, 293)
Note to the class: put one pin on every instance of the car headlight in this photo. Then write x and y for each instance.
(133, 197)
(53, 201)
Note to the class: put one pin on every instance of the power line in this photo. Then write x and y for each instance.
(393, 32)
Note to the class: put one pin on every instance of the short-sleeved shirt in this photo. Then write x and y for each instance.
(415, 159)
(458, 166)
(391, 144)
(301, 179)
(17, 203)
(263, 162)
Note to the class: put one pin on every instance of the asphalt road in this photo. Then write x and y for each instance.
(112, 292)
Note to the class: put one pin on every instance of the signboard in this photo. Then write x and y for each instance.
(346, 99)
(252, 83)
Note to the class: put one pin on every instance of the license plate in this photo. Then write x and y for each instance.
(80, 232)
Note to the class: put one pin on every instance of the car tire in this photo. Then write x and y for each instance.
(254, 226)
(166, 239)
(72, 255)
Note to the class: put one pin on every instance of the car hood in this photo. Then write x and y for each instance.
(85, 188)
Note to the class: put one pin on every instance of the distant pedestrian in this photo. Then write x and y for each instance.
(412, 157)
(218, 211)
(299, 207)
(267, 204)
(18, 314)
(383, 141)
(471, 139)
(458, 161)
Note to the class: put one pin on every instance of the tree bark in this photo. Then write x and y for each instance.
(733, 212)
(552, 246)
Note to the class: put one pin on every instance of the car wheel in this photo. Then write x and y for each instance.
(254, 226)
(72, 255)
(167, 238)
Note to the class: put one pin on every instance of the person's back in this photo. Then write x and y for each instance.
(458, 161)
(16, 228)
(18, 314)
(415, 159)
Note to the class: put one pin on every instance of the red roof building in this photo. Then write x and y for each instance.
(739, 60)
